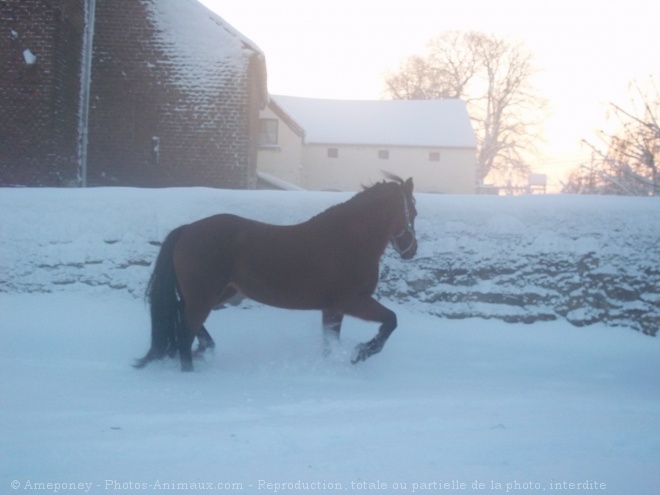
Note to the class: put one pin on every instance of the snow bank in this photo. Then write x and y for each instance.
(519, 259)
(586, 259)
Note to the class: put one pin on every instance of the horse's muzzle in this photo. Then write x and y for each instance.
(407, 248)
(410, 252)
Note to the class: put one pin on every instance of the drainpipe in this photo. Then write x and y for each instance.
(85, 83)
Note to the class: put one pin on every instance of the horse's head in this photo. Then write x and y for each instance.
(404, 240)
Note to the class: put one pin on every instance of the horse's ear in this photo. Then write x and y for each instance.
(408, 186)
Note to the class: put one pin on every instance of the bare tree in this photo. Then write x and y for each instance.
(494, 77)
(627, 161)
(414, 81)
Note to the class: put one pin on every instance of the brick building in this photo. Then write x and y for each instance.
(168, 95)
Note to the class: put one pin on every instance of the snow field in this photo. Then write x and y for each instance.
(446, 401)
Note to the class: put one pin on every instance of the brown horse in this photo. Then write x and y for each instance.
(328, 263)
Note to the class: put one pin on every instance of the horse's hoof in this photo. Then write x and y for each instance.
(364, 351)
(361, 353)
(139, 364)
(151, 356)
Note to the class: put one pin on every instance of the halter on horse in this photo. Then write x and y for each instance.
(328, 263)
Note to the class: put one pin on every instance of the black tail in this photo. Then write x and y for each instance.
(163, 302)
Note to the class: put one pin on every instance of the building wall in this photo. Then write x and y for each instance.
(355, 166)
(312, 167)
(283, 160)
(146, 130)
(38, 102)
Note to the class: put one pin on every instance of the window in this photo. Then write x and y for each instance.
(384, 154)
(434, 156)
(333, 153)
(267, 132)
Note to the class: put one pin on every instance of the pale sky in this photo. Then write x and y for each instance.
(588, 51)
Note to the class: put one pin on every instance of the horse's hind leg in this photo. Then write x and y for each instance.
(205, 341)
(185, 340)
(191, 326)
(371, 310)
(331, 328)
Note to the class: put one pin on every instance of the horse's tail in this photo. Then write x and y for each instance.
(164, 302)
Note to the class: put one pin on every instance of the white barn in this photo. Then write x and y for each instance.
(342, 145)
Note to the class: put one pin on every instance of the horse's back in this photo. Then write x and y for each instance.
(301, 266)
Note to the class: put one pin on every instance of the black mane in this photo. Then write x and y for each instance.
(369, 195)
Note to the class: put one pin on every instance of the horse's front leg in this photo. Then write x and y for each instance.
(371, 310)
(331, 328)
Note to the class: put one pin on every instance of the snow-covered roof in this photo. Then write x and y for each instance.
(200, 44)
(428, 123)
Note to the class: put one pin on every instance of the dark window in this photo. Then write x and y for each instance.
(434, 156)
(267, 132)
(333, 153)
(384, 154)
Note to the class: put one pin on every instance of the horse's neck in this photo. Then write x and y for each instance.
(369, 224)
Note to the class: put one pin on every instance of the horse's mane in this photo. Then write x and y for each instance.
(368, 195)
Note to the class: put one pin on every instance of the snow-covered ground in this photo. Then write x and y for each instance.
(449, 406)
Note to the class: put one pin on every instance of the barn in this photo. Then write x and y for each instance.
(321, 144)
